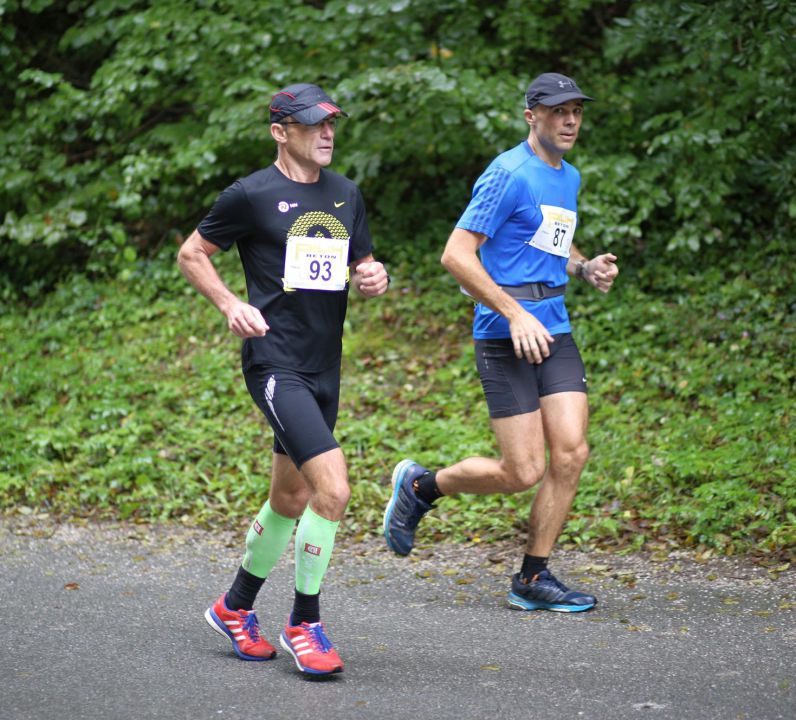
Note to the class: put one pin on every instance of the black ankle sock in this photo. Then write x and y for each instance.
(426, 487)
(306, 608)
(532, 565)
(244, 590)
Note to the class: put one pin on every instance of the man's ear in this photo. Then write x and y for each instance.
(279, 133)
(529, 116)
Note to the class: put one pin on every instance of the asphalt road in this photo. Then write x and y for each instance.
(106, 622)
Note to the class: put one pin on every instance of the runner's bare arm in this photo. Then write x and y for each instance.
(460, 259)
(194, 261)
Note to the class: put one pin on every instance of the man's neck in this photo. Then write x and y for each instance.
(553, 159)
(297, 172)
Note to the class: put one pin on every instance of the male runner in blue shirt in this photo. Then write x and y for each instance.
(521, 220)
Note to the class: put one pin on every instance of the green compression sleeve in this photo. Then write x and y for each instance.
(314, 543)
(266, 540)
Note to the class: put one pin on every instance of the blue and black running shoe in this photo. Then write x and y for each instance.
(545, 592)
(405, 509)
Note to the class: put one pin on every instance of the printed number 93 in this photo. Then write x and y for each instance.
(322, 271)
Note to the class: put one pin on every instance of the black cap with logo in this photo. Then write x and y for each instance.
(304, 103)
(552, 89)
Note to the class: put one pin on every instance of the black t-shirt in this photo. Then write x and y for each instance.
(259, 213)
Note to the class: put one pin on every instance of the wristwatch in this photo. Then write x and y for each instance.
(580, 269)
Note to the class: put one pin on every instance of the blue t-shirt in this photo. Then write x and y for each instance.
(506, 207)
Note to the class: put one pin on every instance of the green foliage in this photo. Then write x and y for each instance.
(124, 399)
(710, 150)
(695, 388)
(127, 118)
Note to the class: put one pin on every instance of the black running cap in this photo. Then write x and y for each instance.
(304, 103)
(552, 89)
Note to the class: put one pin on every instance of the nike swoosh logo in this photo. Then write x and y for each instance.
(339, 204)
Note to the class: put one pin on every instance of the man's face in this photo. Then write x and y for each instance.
(556, 128)
(309, 144)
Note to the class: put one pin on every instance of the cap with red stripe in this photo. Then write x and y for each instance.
(303, 103)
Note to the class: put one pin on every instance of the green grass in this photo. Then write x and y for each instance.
(125, 400)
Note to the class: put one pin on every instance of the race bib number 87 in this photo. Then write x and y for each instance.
(316, 263)
(555, 234)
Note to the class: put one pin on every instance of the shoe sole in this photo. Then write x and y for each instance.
(396, 480)
(216, 623)
(285, 643)
(518, 603)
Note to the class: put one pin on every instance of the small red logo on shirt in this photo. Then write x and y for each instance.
(258, 528)
(312, 549)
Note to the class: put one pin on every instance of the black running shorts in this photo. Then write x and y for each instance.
(513, 385)
(300, 407)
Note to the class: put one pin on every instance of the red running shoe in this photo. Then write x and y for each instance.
(311, 649)
(242, 628)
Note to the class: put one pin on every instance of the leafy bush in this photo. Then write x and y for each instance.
(124, 399)
(127, 118)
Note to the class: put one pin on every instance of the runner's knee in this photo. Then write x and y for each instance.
(330, 501)
(570, 461)
(523, 477)
(290, 502)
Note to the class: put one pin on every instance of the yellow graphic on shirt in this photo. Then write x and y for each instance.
(318, 224)
(314, 265)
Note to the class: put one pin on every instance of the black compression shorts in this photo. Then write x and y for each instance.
(300, 407)
(513, 385)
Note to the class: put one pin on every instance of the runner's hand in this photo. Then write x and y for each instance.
(373, 279)
(530, 338)
(600, 271)
(246, 320)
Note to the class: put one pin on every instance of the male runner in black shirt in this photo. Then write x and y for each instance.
(303, 238)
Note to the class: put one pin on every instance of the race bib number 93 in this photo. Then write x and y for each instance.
(556, 232)
(316, 263)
